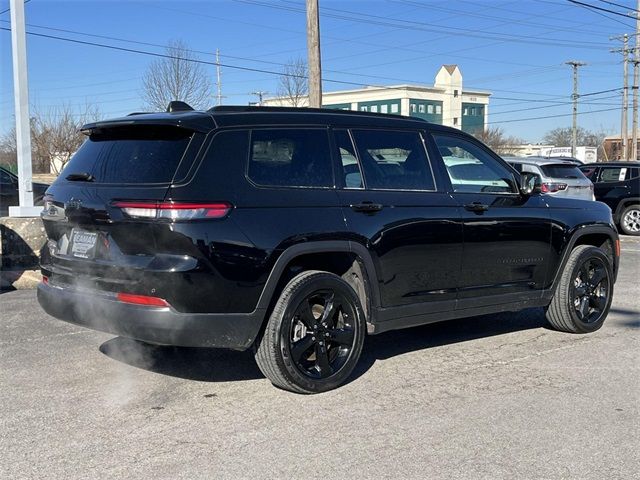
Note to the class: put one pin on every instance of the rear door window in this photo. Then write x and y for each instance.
(140, 154)
(589, 172)
(290, 158)
(613, 174)
(561, 170)
(393, 160)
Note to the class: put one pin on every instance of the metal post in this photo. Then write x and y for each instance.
(575, 96)
(624, 130)
(21, 98)
(313, 52)
(634, 122)
(218, 79)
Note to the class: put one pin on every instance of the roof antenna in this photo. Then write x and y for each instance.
(178, 106)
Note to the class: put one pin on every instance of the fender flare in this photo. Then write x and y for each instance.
(581, 231)
(329, 246)
(623, 204)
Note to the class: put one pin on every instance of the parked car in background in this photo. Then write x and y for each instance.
(9, 191)
(618, 185)
(558, 177)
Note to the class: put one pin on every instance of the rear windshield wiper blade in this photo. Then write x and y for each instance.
(80, 177)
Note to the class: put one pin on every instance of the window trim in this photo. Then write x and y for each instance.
(514, 173)
(322, 128)
(364, 175)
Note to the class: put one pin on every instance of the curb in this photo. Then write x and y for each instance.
(19, 279)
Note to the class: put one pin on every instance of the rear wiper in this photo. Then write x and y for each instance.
(80, 177)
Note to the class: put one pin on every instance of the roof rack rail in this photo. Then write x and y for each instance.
(254, 108)
(137, 113)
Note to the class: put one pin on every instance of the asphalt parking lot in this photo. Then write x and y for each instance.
(495, 397)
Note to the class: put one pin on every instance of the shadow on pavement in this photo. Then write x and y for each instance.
(202, 364)
(215, 365)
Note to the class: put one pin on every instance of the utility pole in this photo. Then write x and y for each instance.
(259, 94)
(624, 124)
(575, 96)
(21, 99)
(218, 79)
(636, 60)
(313, 54)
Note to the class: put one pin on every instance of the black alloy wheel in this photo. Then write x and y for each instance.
(584, 292)
(314, 335)
(591, 290)
(322, 335)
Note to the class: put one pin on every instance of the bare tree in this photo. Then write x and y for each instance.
(561, 137)
(55, 137)
(293, 85)
(498, 141)
(176, 77)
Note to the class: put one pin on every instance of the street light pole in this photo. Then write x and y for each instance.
(21, 99)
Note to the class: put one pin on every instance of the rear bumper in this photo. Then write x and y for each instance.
(164, 326)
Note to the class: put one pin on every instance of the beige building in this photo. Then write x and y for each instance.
(445, 103)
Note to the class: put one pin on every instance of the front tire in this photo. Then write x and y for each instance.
(314, 336)
(630, 220)
(583, 295)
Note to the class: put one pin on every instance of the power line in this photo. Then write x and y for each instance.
(7, 9)
(619, 5)
(423, 26)
(595, 7)
(552, 116)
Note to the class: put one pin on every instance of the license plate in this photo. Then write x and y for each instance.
(83, 244)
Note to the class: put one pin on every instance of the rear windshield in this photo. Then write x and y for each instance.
(140, 154)
(561, 170)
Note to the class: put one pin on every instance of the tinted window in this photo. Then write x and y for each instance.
(393, 160)
(350, 168)
(5, 178)
(287, 157)
(141, 154)
(517, 166)
(635, 173)
(561, 170)
(471, 168)
(613, 174)
(589, 172)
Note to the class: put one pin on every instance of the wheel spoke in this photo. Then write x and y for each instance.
(584, 272)
(306, 315)
(583, 308)
(330, 308)
(598, 275)
(598, 303)
(343, 336)
(322, 360)
(581, 290)
(299, 348)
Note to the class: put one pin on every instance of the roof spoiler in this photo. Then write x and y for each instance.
(178, 106)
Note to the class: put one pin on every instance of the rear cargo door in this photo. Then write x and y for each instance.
(86, 230)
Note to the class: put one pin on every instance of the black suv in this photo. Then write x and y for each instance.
(618, 185)
(297, 232)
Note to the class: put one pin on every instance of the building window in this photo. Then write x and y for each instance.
(394, 108)
(455, 120)
(438, 110)
(421, 108)
(374, 108)
(473, 110)
(364, 109)
(430, 109)
(384, 108)
(413, 108)
(465, 111)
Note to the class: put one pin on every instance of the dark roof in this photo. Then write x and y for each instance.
(228, 116)
(613, 164)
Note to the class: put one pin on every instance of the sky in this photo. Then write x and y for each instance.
(515, 49)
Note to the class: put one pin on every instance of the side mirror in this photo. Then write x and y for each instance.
(529, 183)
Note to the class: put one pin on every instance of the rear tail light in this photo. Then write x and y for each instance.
(173, 210)
(553, 187)
(142, 300)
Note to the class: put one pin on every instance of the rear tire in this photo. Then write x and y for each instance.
(583, 295)
(314, 336)
(630, 220)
